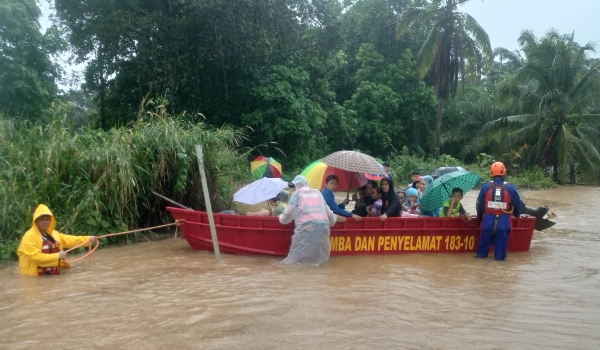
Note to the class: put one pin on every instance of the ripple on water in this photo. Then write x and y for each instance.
(161, 295)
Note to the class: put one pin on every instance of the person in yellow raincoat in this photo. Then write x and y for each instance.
(41, 249)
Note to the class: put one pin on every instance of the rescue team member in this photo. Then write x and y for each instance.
(41, 249)
(495, 205)
(312, 217)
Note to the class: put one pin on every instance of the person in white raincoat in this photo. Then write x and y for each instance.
(312, 217)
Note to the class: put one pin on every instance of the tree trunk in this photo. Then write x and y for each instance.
(438, 127)
(572, 176)
(102, 90)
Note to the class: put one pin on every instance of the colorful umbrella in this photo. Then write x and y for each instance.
(440, 190)
(317, 171)
(260, 191)
(265, 167)
(354, 161)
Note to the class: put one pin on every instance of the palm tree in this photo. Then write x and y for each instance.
(556, 92)
(456, 44)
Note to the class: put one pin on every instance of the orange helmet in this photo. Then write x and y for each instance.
(497, 169)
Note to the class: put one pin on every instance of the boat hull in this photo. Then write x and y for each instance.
(239, 234)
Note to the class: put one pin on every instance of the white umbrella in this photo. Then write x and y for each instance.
(260, 190)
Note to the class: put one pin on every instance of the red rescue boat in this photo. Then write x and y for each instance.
(239, 234)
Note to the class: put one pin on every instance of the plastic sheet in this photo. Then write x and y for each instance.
(312, 217)
(310, 244)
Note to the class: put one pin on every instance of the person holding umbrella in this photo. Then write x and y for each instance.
(495, 204)
(312, 218)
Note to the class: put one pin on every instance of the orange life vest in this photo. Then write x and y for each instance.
(49, 246)
(497, 199)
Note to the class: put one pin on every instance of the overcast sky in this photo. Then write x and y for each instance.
(504, 20)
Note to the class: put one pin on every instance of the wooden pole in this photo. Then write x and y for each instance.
(211, 220)
(170, 201)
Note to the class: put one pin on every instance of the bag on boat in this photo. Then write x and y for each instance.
(310, 244)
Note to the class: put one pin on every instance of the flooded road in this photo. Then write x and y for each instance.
(161, 295)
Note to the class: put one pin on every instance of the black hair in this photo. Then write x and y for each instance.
(386, 164)
(373, 183)
(331, 177)
(416, 172)
(378, 189)
(457, 190)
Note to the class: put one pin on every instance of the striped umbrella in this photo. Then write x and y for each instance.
(317, 171)
(265, 167)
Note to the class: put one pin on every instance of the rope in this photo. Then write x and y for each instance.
(91, 250)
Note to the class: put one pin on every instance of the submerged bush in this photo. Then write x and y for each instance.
(97, 182)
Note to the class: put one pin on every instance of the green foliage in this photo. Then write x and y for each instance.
(26, 73)
(533, 179)
(389, 100)
(402, 165)
(456, 45)
(289, 114)
(554, 96)
(100, 182)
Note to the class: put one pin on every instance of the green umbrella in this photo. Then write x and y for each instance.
(440, 190)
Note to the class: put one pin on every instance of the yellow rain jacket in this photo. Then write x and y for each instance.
(30, 250)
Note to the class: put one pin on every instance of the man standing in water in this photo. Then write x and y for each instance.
(494, 208)
(41, 250)
(312, 216)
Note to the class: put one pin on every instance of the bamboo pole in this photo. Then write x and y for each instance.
(170, 201)
(211, 220)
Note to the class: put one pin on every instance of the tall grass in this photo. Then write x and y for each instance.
(98, 182)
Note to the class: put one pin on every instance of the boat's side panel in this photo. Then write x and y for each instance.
(259, 235)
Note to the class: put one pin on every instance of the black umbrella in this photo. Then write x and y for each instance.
(445, 170)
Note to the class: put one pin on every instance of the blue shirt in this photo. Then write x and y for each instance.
(330, 200)
(512, 191)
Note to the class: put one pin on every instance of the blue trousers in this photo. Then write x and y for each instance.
(497, 236)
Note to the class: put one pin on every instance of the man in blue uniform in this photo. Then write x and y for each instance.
(495, 205)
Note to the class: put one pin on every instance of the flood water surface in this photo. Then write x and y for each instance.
(162, 294)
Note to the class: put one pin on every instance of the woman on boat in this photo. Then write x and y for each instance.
(41, 249)
(389, 199)
(428, 181)
(312, 218)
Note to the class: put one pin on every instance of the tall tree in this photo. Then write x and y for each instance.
(27, 75)
(557, 92)
(456, 45)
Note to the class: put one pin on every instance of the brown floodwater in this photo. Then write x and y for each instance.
(162, 294)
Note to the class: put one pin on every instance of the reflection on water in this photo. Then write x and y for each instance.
(162, 294)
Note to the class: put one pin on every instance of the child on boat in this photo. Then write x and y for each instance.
(411, 207)
(377, 204)
(414, 176)
(331, 184)
(453, 208)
